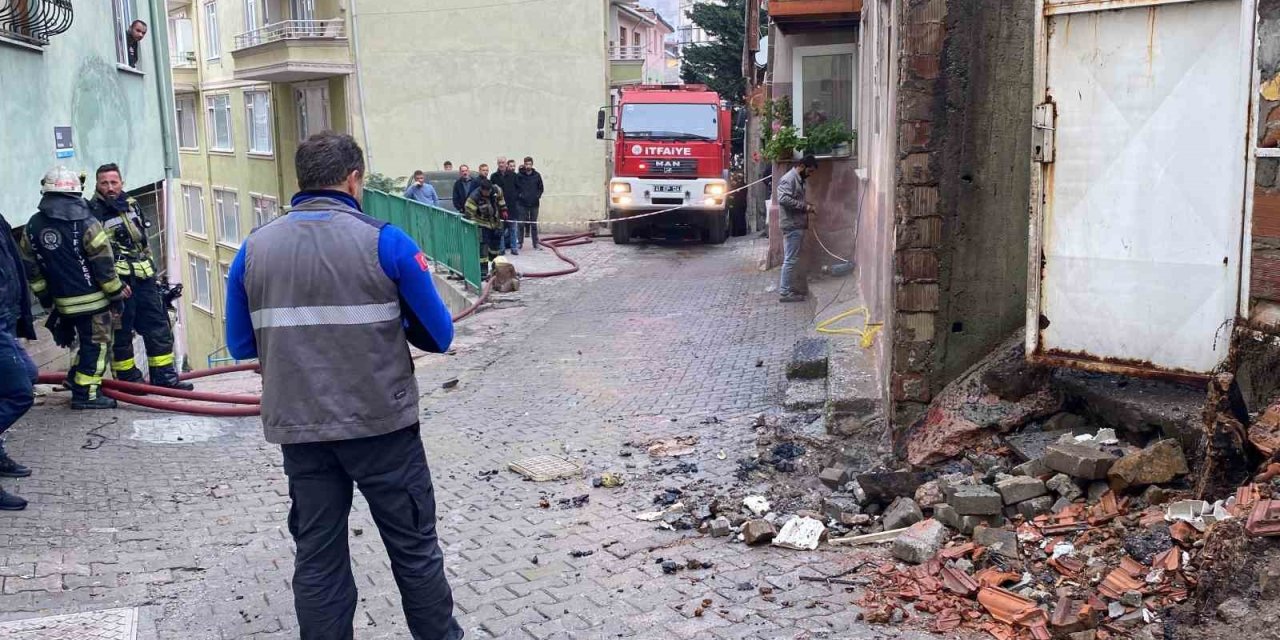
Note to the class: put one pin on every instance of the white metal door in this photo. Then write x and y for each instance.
(1141, 151)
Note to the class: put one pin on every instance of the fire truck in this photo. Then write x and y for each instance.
(671, 148)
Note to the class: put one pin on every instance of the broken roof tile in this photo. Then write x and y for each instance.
(958, 581)
(1117, 582)
(1264, 519)
(1185, 533)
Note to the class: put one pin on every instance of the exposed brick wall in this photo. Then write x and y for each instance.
(1264, 278)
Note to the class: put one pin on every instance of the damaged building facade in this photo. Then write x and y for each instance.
(1007, 175)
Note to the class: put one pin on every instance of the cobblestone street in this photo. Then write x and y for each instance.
(184, 518)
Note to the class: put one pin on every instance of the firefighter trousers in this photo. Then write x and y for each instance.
(391, 471)
(146, 315)
(93, 332)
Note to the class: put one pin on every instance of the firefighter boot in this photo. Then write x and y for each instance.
(87, 397)
(9, 468)
(167, 376)
(130, 375)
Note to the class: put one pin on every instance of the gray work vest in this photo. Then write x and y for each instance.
(335, 363)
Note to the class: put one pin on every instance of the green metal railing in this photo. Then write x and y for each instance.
(448, 240)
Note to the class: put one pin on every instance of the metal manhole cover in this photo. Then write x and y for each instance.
(544, 468)
(107, 624)
(178, 429)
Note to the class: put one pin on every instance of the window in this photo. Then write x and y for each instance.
(154, 228)
(123, 14)
(203, 298)
(265, 209)
(226, 206)
(635, 38)
(182, 44)
(219, 122)
(253, 15)
(823, 80)
(622, 36)
(257, 105)
(186, 106)
(313, 109)
(193, 201)
(212, 49)
(670, 121)
(303, 9)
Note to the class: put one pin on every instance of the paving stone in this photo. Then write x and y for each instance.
(809, 358)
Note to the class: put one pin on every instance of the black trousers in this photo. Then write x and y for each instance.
(144, 313)
(391, 471)
(530, 214)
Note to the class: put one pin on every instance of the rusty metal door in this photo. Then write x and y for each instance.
(1138, 188)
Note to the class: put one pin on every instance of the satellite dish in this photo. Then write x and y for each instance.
(762, 53)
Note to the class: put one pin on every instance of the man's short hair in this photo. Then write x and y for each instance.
(137, 22)
(326, 159)
(809, 161)
(485, 184)
(463, 166)
(108, 168)
(528, 158)
(419, 172)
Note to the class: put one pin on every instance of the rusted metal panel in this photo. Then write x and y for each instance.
(1138, 199)
(1058, 7)
(813, 9)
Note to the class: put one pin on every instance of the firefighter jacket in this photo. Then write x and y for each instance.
(485, 211)
(123, 223)
(68, 257)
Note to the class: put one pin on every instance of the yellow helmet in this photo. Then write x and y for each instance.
(60, 180)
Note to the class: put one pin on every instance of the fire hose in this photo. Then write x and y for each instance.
(250, 405)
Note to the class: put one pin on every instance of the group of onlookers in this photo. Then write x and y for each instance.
(504, 203)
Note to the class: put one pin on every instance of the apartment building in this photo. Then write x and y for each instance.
(250, 79)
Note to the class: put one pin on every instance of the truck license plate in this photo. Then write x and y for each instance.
(667, 188)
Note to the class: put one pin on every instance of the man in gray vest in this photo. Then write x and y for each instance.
(331, 327)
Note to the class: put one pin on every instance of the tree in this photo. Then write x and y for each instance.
(718, 64)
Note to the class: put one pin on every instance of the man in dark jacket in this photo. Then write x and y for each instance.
(332, 329)
(17, 371)
(70, 267)
(528, 197)
(793, 222)
(505, 179)
(487, 207)
(145, 312)
(462, 188)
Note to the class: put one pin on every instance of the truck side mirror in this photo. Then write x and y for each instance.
(600, 120)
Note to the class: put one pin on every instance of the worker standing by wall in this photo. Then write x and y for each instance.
(145, 310)
(72, 271)
(326, 297)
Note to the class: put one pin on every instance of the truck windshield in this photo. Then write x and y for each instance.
(669, 121)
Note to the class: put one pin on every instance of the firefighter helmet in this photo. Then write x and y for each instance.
(60, 180)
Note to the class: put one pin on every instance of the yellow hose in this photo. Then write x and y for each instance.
(867, 333)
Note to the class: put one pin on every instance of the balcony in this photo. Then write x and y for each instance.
(185, 75)
(626, 65)
(293, 50)
(817, 13)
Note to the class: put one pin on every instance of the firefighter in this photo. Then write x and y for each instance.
(71, 270)
(487, 207)
(145, 311)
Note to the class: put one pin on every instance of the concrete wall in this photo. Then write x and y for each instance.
(1264, 277)
(75, 81)
(964, 109)
(458, 81)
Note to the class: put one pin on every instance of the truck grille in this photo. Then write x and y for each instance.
(659, 168)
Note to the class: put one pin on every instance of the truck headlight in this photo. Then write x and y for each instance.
(619, 187)
(714, 189)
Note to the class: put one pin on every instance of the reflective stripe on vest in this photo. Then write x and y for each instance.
(75, 305)
(139, 269)
(335, 315)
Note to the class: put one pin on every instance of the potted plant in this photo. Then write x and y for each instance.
(828, 139)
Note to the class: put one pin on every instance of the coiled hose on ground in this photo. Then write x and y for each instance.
(248, 405)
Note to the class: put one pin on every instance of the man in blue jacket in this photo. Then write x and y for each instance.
(17, 371)
(421, 190)
(331, 330)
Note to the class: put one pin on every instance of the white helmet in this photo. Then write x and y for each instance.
(60, 180)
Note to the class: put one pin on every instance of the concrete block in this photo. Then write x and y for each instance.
(809, 358)
(804, 395)
(1020, 489)
(719, 527)
(920, 542)
(840, 507)
(904, 512)
(758, 531)
(1079, 460)
(999, 541)
(835, 476)
(964, 524)
(1031, 468)
(1063, 485)
(1035, 507)
(975, 500)
(885, 487)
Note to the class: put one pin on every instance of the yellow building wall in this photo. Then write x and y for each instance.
(467, 82)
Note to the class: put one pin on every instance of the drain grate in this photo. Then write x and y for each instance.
(107, 624)
(544, 468)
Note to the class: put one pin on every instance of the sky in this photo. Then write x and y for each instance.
(666, 8)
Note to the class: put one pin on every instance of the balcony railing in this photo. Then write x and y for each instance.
(35, 21)
(292, 30)
(182, 58)
(626, 53)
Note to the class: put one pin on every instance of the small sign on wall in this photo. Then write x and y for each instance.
(62, 146)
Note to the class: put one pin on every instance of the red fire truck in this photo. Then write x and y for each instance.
(671, 149)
